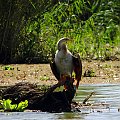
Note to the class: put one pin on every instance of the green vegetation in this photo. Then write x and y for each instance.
(8, 68)
(107, 66)
(89, 73)
(29, 29)
(7, 105)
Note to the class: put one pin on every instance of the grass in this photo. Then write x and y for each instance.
(93, 25)
(96, 38)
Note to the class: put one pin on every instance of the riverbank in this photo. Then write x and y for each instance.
(107, 72)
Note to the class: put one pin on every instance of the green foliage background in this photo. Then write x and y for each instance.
(30, 29)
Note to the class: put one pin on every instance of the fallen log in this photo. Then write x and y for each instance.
(40, 98)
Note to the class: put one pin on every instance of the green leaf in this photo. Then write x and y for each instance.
(22, 105)
(7, 104)
(13, 107)
(1, 104)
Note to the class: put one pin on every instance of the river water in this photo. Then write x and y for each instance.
(104, 93)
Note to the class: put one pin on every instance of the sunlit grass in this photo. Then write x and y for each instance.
(95, 37)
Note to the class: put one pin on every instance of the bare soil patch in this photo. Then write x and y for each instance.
(41, 74)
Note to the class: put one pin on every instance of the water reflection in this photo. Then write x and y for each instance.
(109, 94)
(70, 116)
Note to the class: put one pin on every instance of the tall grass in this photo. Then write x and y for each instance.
(94, 27)
(95, 37)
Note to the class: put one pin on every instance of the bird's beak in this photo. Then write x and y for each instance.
(69, 41)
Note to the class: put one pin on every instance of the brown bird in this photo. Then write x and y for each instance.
(64, 64)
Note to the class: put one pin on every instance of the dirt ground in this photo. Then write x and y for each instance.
(41, 74)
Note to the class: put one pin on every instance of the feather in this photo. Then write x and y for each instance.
(55, 70)
(65, 63)
(77, 69)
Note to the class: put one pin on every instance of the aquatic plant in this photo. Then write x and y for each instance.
(7, 105)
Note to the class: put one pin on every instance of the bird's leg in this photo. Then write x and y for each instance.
(67, 81)
(62, 79)
(75, 82)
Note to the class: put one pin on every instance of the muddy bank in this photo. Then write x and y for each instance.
(41, 74)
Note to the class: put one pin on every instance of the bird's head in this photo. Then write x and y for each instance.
(61, 44)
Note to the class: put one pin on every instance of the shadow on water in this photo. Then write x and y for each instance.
(109, 94)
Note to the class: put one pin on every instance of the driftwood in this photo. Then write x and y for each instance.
(87, 98)
(39, 98)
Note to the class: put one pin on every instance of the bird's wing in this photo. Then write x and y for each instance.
(55, 70)
(77, 68)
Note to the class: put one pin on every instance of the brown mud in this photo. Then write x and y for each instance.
(41, 74)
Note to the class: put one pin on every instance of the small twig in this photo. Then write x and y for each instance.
(86, 99)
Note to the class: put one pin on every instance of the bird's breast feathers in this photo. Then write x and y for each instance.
(64, 62)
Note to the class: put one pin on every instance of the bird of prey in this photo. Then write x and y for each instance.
(64, 64)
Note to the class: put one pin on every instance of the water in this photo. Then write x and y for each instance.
(108, 94)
